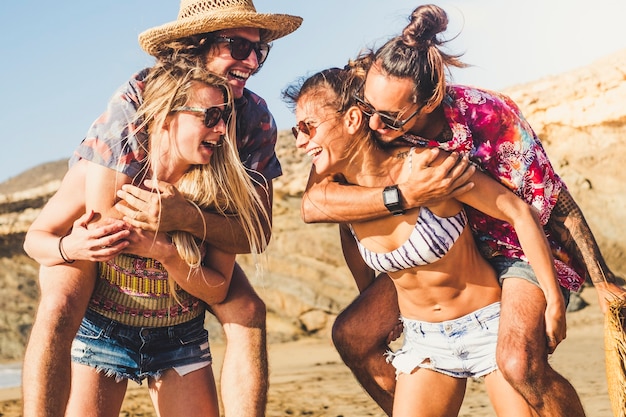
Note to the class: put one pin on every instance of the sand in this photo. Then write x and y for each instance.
(307, 378)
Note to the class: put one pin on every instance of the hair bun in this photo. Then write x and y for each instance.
(426, 22)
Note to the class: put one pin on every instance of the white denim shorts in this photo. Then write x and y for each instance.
(461, 348)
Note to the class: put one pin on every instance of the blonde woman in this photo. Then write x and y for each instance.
(145, 319)
(229, 38)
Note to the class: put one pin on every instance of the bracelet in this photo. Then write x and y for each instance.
(63, 256)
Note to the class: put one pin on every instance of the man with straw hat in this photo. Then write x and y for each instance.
(227, 37)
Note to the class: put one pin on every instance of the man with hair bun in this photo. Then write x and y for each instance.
(408, 100)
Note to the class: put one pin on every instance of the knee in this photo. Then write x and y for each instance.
(242, 305)
(345, 337)
(340, 330)
(514, 370)
(63, 305)
(254, 312)
(246, 310)
(65, 293)
(57, 316)
(522, 367)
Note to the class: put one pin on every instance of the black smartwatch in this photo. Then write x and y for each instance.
(393, 200)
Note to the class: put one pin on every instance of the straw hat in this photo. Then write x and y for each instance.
(202, 16)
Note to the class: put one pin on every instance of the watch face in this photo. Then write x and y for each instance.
(390, 196)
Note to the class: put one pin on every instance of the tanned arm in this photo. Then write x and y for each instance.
(168, 210)
(363, 274)
(569, 224)
(85, 240)
(332, 200)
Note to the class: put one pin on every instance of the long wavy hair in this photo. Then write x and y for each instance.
(224, 185)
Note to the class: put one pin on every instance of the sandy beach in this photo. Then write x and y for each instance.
(307, 378)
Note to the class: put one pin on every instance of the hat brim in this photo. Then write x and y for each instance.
(272, 26)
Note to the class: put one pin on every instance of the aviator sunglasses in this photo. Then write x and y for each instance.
(306, 127)
(240, 48)
(301, 127)
(390, 121)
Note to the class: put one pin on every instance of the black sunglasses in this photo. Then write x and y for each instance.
(212, 115)
(388, 120)
(240, 48)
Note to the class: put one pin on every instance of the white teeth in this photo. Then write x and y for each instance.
(240, 74)
(210, 144)
(313, 152)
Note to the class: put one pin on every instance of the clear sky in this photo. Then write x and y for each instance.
(61, 60)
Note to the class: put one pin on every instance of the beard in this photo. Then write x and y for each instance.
(385, 145)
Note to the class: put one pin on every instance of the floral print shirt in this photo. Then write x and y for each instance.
(490, 128)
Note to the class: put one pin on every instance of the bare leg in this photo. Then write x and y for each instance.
(192, 395)
(244, 377)
(360, 336)
(522, 352)
(427, 393)
(505, 400)
(94, 394)
(65, 293)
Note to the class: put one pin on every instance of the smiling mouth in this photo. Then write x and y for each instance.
(314, 152)
(239, 75)
(212, 145)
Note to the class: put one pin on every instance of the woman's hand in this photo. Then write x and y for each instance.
(162, 208)
(150, 245)
(96, 243)
(556, 327)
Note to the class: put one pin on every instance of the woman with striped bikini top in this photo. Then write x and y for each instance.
(430, 249)
(448, 294)
(431, 238)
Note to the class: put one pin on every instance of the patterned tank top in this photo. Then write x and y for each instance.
(135, 291)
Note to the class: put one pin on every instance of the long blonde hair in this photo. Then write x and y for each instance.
(223, 185)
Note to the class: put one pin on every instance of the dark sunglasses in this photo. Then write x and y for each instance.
(240, 48)
(388, 120)
(212, 115)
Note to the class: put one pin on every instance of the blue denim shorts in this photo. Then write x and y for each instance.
(135, 353)
(461, 348)
(517, 268)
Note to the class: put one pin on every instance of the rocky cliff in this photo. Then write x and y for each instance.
(579, 115)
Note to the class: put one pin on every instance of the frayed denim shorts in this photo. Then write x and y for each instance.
(129, 352)
(461, 348)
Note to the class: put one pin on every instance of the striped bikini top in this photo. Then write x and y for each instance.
(431, 238)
